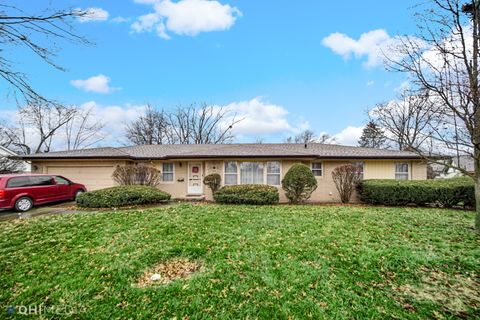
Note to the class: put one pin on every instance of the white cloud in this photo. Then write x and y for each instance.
(372, 45)
(186, 17)
(98, 84)
(115, 118)
(348, 136)
(121, 19)
(94, 14)
(260, 118)
(370, 83)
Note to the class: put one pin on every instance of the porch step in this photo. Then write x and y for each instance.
(195, 197)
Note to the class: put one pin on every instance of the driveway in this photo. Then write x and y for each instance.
(49, 209)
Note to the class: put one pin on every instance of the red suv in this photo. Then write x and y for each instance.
(23, 191)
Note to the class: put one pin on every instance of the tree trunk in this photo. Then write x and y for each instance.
(477, 200)
(477, 192)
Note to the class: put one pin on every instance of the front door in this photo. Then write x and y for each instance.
(195, 184)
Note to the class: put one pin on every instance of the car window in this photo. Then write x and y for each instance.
(18, 182)
(61, 180)
(42, 181)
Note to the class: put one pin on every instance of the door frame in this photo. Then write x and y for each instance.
(200, 163)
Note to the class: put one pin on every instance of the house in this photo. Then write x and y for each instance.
(449, 169)
(184, 166)
(6, 153)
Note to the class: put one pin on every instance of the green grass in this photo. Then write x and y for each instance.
(330, 262)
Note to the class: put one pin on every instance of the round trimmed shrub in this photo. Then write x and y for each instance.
(122, 196)
(213, 181)
(299, 183)
(247, 194)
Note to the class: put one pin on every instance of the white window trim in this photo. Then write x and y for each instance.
(402, 173)
(173, 179)
(230, 173)
(363, 167)
(265, 165)
(323, 168)
(266, 173)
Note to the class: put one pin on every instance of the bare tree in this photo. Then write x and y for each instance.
(407, 121)
(184, 125)
(346, 178)
(308, 136)
(325, 138)
(137, 174)
(443, 59)
(37, 33)
(36, 126)
(10, 166)
(83, 130)
(150, 128)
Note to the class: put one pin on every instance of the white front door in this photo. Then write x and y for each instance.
(195, 183)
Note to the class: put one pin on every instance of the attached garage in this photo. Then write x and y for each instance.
(93, 177)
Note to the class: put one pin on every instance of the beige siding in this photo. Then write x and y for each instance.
(93, 174)
(178, 187)
(97, 174)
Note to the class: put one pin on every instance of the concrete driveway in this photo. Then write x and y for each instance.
(48, 209)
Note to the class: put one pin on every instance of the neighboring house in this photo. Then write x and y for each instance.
(445, 171)
(184, 166)
(464, 162)
(5, 153)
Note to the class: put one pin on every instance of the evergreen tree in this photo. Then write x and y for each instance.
(372, 136)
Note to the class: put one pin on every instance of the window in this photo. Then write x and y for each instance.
(360, 166)
(42, 181)
(167, 172)
(231, 173)
(273, 173)
(401, 171)
(61, 180)
(251, 172)
(19, 182)
(317, 169)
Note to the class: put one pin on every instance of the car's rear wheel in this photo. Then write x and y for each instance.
(23, 204)
(79, 192)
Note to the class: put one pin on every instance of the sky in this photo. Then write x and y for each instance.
(282, 66)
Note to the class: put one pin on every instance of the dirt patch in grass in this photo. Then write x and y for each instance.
(455, 294)
(168, 271)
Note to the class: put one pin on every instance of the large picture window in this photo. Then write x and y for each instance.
(401, 171)
(231, 173)
(250, 172)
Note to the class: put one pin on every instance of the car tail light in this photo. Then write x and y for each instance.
(2, 194)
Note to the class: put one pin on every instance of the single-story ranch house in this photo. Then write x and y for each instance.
(184, 166)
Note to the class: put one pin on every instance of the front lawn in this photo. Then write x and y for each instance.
(329, 262)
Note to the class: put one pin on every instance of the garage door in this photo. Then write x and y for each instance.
(93, 177)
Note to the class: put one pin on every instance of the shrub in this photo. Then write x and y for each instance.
(346, 178)
(137, 174)
(122, 196)
(442, 192)
(299, 183)
(247, 194)
(213, 181)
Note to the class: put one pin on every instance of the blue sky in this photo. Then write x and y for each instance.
(283, 65)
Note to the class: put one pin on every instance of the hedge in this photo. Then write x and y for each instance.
(122, 196)
(247, 194)
(442, 192)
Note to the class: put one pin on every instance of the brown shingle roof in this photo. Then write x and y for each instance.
(273, 150)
